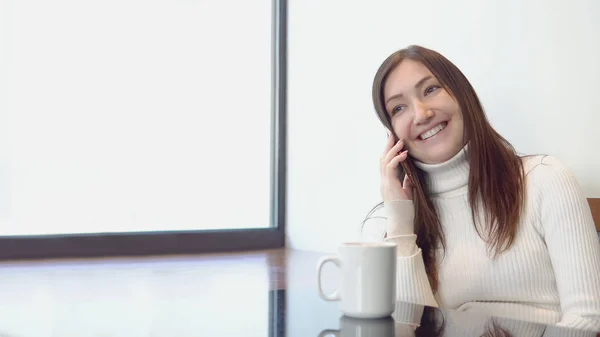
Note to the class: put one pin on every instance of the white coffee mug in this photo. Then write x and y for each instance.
(368, 279)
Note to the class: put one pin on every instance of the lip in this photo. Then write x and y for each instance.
(433, 126)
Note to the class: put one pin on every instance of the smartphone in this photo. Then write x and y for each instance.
(404, 165)
(407, 171)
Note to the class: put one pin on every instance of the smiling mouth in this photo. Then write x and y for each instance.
(434, 131)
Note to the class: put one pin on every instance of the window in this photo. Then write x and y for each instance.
(141, 127)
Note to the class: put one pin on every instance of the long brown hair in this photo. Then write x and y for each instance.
(496, 178)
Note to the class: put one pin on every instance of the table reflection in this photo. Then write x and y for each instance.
(307, 315)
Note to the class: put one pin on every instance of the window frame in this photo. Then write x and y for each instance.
(188, 242)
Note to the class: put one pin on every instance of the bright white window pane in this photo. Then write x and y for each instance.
(128, 115)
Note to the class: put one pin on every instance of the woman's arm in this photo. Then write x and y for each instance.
(570, 235)
(396, 225)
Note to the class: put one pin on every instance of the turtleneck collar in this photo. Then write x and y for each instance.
(448, 178)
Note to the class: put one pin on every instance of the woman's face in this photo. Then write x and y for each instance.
(423, 113)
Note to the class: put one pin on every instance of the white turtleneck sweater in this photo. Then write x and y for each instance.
(550, 275)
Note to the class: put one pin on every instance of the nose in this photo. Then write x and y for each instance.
(422, 114)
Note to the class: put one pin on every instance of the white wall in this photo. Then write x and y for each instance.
(533, 63)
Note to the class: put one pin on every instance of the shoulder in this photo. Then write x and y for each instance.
(544, 169)
(555, 196)
(551, 183)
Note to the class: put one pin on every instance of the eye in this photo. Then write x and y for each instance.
(430, 89)
(397, 109)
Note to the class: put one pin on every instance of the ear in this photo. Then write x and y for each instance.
(390, 133)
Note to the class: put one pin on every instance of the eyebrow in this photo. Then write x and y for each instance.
(420, 83)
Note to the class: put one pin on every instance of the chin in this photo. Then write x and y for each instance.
(440, 156)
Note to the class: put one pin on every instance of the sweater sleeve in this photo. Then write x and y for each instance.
(570, 235)
(412, 284)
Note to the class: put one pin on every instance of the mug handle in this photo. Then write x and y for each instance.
(335, 296)
(328, 332)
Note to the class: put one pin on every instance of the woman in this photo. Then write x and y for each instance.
(477, 226)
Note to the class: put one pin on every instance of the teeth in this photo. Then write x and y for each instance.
(433, 132)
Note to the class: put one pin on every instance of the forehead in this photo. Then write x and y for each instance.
(404, 77)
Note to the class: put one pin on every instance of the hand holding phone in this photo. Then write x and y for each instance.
(391, 186)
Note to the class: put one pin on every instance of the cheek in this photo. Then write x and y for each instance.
(461, 127)
(449, 106)
(401, 127)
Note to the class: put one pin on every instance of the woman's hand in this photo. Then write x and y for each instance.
(391, 187)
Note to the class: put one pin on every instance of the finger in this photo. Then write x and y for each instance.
(407, 182)
(392, 166)
(392, 153)
(407, 186)
(388, 144)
